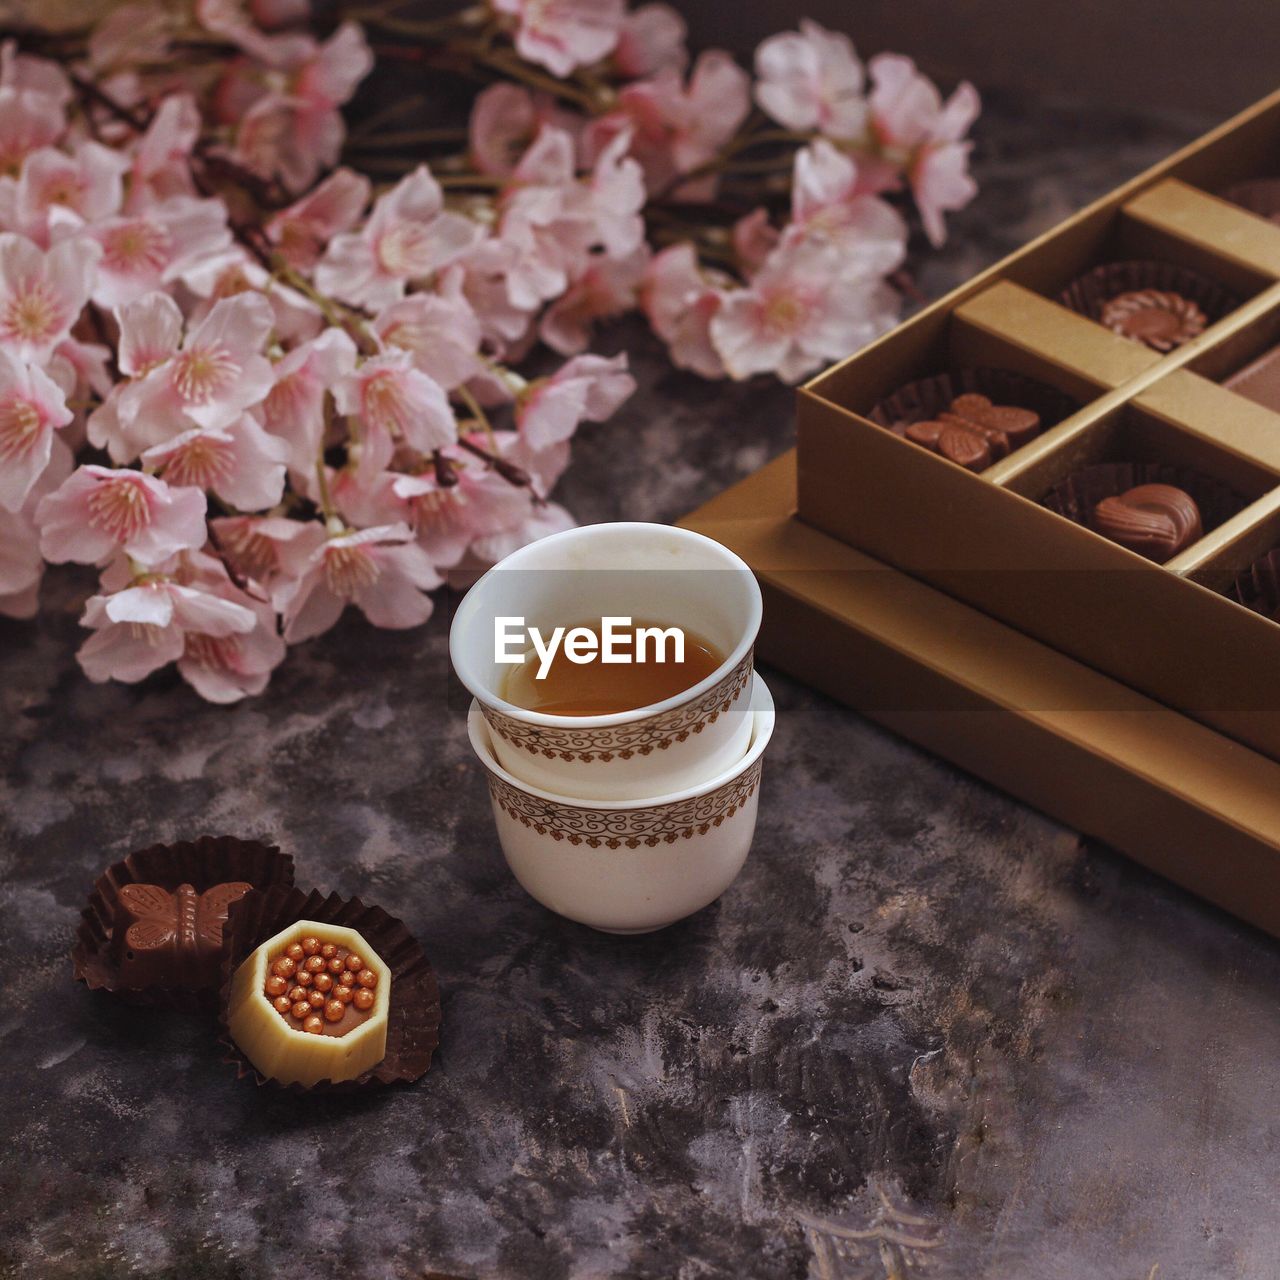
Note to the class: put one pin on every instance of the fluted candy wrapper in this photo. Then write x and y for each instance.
(413, 1018)
(1258, 587)
(204, 864)
(926, 398)
(1089, 293)
(1076, 496)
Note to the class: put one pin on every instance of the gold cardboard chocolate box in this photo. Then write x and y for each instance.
(1132, 317)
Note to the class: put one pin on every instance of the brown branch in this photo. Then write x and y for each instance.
(507, 470)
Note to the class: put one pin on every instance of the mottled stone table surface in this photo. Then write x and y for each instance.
(927, 1031)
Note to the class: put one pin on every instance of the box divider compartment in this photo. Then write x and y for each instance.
(1232, 424)
(1004, 553)
(1207, 234)
(1029, 322)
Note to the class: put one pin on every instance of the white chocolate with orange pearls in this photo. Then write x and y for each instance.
(311, 1004)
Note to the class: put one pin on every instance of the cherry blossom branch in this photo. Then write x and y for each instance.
(281, 381)
(507, 470)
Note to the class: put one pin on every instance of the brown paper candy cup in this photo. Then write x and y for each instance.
(201, 863)
(1089, 293)
(926, 398)
(1258, 195)
(413, 1020)
(1258, 587)
(1078, 495)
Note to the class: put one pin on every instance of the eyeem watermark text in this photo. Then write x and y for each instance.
(617, 641)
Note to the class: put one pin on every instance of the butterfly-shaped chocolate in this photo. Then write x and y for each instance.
(172, 938)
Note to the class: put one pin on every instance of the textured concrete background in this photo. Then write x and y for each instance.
(926, 1033)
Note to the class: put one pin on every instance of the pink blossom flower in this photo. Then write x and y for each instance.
(542, 222)
(321, 85)
(805, 307)
(224, 669)
(161, 167)
(250, 545)
(812, 79)
(240, 463)
(85, 186)
(28, 121)
(587, 387)
(88, 367)
(98, 511)
(295, 318)
(607, 288)
(827, 199)
(409, 236)
(303, 229)
(141, 628)
(563, 34)
(32, 408)
(675, 129)
(448, 518)
(445, 519)
(216, 374)
(710, 110)
(288, 120)
(482, 274)
(503, 123)
(150, 332)
(37, 75)
(505, 120)
(754, 239)
(920, 136)
(439, 330)
(42, 293)
(230, 20)
(145, 251)
(397, 404)
(644, 112)
(615, 198)
(652, 39)
(382, 571)
(680, 300)
(540, 521)
(293, 410)
(21, 565)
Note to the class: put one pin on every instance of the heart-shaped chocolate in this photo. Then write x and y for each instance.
(1155, 520)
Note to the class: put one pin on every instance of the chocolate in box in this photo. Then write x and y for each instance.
(997, 537)
(991, 648)
(1178, 797)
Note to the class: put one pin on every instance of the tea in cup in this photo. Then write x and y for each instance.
(612, 661)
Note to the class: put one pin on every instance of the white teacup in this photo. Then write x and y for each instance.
(648, 572)
(629, 866)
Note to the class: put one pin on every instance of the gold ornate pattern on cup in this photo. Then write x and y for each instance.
(629, 828)
(623, 741)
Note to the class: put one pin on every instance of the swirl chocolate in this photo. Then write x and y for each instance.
(1158, 318)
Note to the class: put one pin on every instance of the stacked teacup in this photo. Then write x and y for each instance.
(632, 820)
